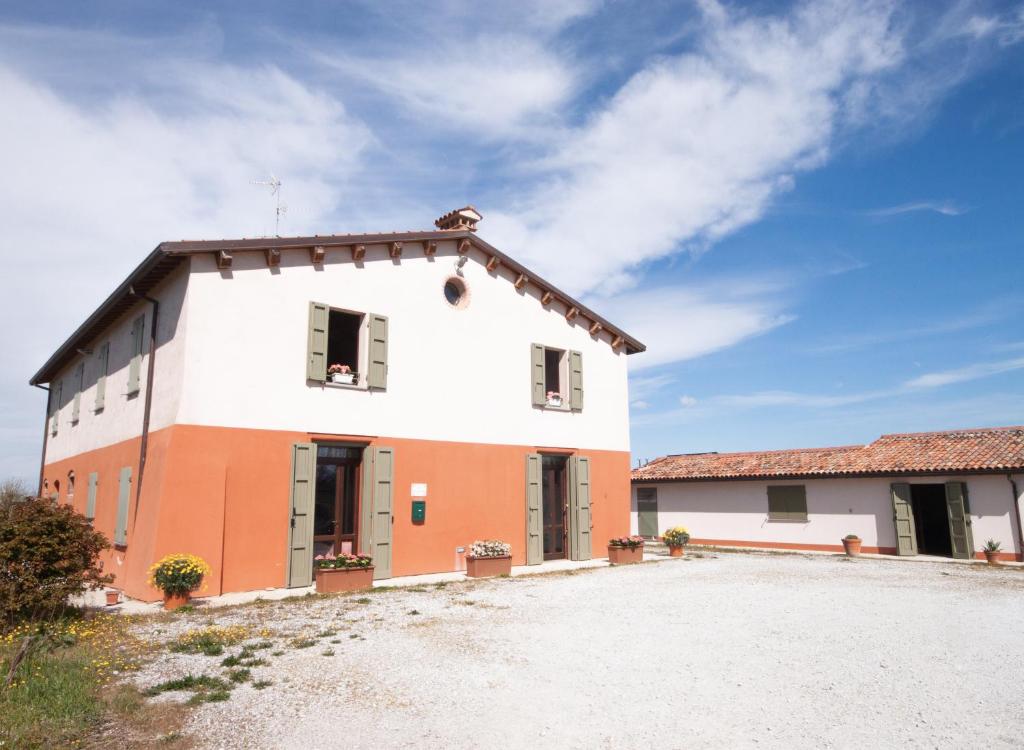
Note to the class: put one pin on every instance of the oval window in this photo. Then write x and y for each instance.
(455, 292)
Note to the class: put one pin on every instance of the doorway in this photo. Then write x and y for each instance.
(554, 506)
(336, 505)
(931, 519)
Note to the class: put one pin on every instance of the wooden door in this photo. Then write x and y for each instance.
(553, 505)
(903, 518)
(958, 511)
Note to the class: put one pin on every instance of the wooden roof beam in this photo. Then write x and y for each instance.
(521, 281)
(395, 250)
(273, 257)
(224, 259)
(358, 252)
(572, 312)
(464, 245)
(595, 328)
(545, 299)
(317, 253)
(493, 263)
(430, 248)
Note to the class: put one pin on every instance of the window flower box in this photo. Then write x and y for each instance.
(625, 550)
(342, 374)
(554, 399)
(489, 558)
(343, 573)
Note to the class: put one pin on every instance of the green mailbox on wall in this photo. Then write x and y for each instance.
(419, 511)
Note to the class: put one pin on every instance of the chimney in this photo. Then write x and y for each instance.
(461, 218)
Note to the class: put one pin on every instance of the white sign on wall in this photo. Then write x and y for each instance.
(419, 489)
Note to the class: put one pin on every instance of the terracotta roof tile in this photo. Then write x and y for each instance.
(983, 449)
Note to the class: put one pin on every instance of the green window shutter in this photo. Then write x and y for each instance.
(76, 404)
(959, 515)
(316, 358)
(380, 523)
(377, 377)
(300, 536)
(787, 502)
(579, 508)
(537, 375)
(90, 503)
(534, 539)
(56, 393)
(102, 362)
(647, 511)
(576, 381)
(135, 364)
(124, 488)
(903, 519)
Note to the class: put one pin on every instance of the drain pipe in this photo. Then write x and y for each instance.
(1016, 507)
(144, 443)
(46, 435)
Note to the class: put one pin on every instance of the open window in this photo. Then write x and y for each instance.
(346, 347)
(557, 378)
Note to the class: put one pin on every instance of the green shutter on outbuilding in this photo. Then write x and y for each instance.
(537, 375)
(135, 364)
(534, 539)
(102, 362)
(647, 511)
(380, 521)
(316, 346)
(76, 404)
(377, 377)
(787, 502)
(90, 503)
(579, 508)
(903, 519)
(124, 488)
(576, 381)
(300, 534)
(959, 514)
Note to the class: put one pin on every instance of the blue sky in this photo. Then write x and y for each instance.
(810, 212)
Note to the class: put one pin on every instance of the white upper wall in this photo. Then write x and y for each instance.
(121, 416)
(454, 374)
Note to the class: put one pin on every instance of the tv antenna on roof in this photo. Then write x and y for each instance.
(282, 208)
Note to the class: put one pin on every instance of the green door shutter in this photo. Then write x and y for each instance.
(90, 503)
(380, 521)
(300, 536)
(647, 511)
(124, 489)
(534, 540)
(76, 405)
(537, 375)
(958, 510)
(56, 394)
(903, 518)
(316, 346)
(579, 508)
(377, 377)
(135, 365)
(102, 362)
(576, 381)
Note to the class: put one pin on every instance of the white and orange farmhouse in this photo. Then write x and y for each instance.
(928, 493)
(260, 401)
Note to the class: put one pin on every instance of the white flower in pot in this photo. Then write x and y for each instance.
(341, 374)
(554, 398)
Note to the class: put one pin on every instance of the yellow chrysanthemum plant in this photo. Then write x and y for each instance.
(178, 574)
(677, 536)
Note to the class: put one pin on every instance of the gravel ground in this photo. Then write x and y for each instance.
(721, 651)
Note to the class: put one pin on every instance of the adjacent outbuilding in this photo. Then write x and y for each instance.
(928, 493)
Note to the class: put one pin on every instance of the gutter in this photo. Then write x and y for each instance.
(144, 443)
(46, 435)
(1016, 507)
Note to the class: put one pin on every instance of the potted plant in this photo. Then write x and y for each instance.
(342, 374)
(554, 398)
(676, 538)
(112, 596)
(489, 558)
(851, 543)
(344, 572)
(177, 576)
(991, 550)
(625, 549)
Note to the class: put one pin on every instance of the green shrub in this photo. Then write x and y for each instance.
(48, 553)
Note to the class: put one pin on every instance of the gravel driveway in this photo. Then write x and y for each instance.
(721, 651)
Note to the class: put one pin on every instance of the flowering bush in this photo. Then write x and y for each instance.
(632, 542)
(178, 574)
(339, 369)
(344, 560)
(490, 548)
(677, 536)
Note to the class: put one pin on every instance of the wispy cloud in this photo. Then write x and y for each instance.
(946, 208)
(963, 374)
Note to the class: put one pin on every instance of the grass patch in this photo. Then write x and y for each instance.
(363, 600)
(231, 661)
(210, 640)
(188, 682)
(239, 676)
(303, 642)
(277, 653)
(414, 612)
(261, 684)
(253, 663)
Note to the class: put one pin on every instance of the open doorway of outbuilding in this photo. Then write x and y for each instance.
(931, 519)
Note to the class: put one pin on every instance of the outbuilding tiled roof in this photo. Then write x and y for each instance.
(992, 449)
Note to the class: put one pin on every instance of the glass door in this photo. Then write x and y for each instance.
(336, 515)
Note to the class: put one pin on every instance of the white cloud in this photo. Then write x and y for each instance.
(687, 402)
(963, 374)
(946, 208)
(639, 404)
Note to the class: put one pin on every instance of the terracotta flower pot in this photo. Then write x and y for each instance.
(174, 601)
(625, 555)
(485, 567)
(675, 551)
(992, 558)
(852, 547)
(333, 580)
(112, 597)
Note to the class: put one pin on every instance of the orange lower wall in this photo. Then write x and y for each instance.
(223, 493)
